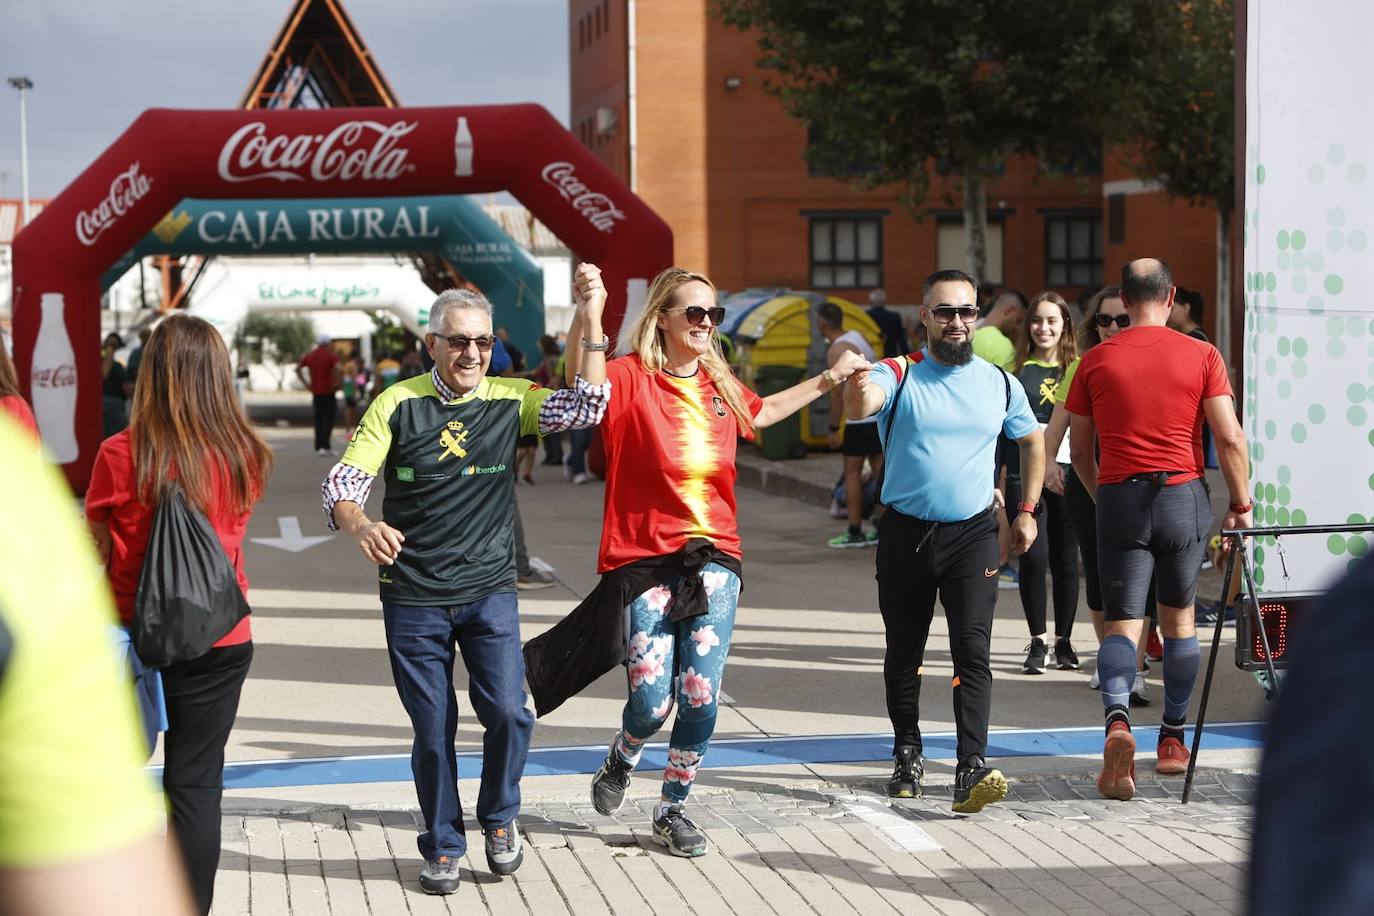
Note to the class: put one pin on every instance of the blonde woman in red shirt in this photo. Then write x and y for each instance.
(187, 430)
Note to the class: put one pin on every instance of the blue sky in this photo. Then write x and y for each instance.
(96, 65)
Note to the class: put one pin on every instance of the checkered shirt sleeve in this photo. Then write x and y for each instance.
(344, 483)
(577, 407)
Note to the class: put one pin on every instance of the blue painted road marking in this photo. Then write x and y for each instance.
(724, 753)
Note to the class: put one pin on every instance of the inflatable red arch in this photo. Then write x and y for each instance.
(167, 155)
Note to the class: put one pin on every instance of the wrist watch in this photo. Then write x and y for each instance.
(604, 345)
(1032, 508)
(1241, 508)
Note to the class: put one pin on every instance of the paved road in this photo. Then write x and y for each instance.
(806, 663)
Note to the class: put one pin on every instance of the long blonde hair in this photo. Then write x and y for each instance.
(646, 340)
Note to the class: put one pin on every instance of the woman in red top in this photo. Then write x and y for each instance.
(11, 401)
(186, 427)
(670, 430)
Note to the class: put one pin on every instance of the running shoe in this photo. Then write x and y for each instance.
(1117, 779)
(1035, 657)
(1094, 682)
(849, 540)
(1007, 578)
(534, 579)
(505, 851)
(1140, 691)
(611, 782)
(1154, 649)
(977, 785)
(1065, 659)
(675, 830)
(873, 536)
(440, 875)
(1173, 757)
(907, 770)
(1205, 614)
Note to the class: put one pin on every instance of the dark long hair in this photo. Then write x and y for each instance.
(1088, 335)
(187, 424)
(9, 379)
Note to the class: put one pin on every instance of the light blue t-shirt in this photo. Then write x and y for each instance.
(943, 454)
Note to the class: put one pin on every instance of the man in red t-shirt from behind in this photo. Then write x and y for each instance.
(323, 365)
(1142, 397)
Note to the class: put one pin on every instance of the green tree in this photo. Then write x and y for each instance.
(281, 338)
(907, 87)
(1178, 120)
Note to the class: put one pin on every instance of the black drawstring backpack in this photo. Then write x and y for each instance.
(188, 592)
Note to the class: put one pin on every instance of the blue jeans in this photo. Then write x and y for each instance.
(421, 643)
(577, 458)
(679, 661)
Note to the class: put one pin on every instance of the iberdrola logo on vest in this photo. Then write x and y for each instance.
(473, 470)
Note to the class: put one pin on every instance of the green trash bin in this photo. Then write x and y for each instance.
(782, 439)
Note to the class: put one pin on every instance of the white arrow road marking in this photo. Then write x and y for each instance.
(291, 538)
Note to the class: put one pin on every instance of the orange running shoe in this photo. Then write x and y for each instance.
(1117, 779)
(1173, 757)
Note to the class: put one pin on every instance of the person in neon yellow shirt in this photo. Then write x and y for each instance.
(80, 822)
(997, 334)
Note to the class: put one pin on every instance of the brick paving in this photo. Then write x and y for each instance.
(1051, 847)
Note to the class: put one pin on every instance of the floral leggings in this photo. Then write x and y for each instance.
(691, 652)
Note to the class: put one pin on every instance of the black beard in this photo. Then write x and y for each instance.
(952, 354)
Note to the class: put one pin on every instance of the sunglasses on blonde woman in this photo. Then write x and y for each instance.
(696, 314)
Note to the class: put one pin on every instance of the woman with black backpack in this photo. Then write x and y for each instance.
(188, 450)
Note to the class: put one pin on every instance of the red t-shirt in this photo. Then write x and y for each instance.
(321, 362)
(670, 464)
(18, 410)
(1144, 389)
(111, 499)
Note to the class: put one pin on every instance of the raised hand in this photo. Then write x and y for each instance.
(589, 290)
(849, 363)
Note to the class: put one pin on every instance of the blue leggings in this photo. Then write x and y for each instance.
(689, 653)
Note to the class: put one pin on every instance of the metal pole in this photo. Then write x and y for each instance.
(22, 83)
(1211, 669)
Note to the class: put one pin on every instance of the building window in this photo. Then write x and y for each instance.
(951, 249)
(846, 252)
(1116, 219)
(1073, 249)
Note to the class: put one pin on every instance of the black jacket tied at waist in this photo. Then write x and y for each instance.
(590, 641)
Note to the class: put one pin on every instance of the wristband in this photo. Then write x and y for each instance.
(1240, 509)
(604, 345)
(1032, 508)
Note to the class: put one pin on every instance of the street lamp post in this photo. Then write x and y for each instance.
(21, 83)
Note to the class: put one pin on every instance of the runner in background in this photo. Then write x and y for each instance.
(860, 437)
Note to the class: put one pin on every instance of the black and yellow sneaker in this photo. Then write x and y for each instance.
(977, 785)
(907, 770)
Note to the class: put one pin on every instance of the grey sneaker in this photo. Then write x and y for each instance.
(1140, 691)
(505, 851)
(536, 578)
(440, 875)
(675, 830)
(611, 782)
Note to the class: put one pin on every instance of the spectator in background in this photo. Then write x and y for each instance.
(546, 375)
(860, 437)
(412, 364)
(517, 356)
(998, 332)
(1186, 317)
(323, 382)
(12, 402)
(889, 322)
(352, 389)
(80, 825)
(222, 469)
(115, 386)
(136, 357)
(388, 371)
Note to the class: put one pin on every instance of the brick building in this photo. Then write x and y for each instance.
(669, 98)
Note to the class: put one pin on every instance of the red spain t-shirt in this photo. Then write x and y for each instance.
(111, 499)
(670, 464)
(1144, 389)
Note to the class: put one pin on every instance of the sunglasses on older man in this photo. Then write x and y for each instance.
(461, 342)
(696, 314)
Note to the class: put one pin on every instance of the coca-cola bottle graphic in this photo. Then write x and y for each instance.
(54, 382)
(462, 149)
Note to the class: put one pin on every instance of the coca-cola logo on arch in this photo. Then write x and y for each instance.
(595, 207)
(127, 189)
(63, 376)
(365, 150)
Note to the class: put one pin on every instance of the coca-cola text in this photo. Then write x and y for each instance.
(249, 154)
(54, 377)
(596, 208)
(126, 190)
